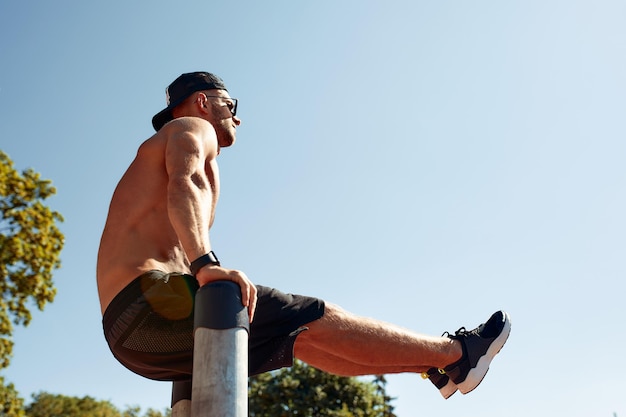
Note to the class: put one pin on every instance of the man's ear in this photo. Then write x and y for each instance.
(203, 100)
(200, 98)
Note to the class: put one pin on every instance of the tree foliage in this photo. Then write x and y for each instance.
(307, 392)
(297, 391)
(54, 405)
(11, 404)
(30, 247)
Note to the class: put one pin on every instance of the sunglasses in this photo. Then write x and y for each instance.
(232, 103)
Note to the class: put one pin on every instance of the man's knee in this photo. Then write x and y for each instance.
(332, 320)
(334, 313)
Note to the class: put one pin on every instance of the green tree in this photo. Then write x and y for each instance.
(53, 405)
(11, 404)
(307, 392)
(30, 247)
(155, 413)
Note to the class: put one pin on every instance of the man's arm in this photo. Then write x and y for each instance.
(191, 197)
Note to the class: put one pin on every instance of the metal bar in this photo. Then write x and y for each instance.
(181, 399)
(220, 360)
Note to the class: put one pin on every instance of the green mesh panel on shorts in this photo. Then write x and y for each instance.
(156, 335)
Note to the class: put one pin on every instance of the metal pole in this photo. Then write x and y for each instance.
(181, 399)
(220, 358)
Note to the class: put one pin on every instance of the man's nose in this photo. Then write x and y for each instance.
(237, 120)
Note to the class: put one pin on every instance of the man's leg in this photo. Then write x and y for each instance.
(345, 344)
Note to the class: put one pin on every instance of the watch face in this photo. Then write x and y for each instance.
(213, 258)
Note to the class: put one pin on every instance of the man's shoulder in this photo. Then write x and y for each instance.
(188, 129)
(177, 129)
(186, 124)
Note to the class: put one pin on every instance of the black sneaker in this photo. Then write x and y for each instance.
(479, 348)
(443, 383)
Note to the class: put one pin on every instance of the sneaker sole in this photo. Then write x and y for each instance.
(477, 374)
(449, 389)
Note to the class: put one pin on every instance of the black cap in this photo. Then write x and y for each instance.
(183, 87)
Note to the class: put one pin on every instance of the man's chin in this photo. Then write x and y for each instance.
(228, 143)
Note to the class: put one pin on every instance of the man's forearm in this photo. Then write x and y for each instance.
(189, 212)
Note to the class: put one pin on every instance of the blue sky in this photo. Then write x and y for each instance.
(425, 163)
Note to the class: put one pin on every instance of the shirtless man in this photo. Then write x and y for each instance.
(155, 253)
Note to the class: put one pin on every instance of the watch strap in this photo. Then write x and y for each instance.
(204, 260)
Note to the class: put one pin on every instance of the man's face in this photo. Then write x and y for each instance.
(221, 107)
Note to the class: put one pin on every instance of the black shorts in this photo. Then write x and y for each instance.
(149, 326)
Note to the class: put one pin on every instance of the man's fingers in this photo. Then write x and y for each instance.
(248, 296)
(252, 304)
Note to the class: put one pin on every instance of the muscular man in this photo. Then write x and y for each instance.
(155, 253)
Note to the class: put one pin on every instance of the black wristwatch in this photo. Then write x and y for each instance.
(206, 259)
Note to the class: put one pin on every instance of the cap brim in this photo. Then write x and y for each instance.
(166, 115)
(162, 117)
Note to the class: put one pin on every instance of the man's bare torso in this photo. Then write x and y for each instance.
(138, 235)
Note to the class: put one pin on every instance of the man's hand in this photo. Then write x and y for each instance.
(211, 273)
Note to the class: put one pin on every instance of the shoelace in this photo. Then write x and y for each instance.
(461, 332)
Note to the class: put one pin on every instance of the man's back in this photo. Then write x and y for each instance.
(138, 235)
